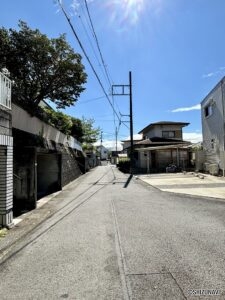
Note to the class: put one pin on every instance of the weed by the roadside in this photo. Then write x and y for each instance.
(3, 232)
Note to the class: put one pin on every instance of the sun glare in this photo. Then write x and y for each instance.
(132, 9)
(126, 12)
(133, 2)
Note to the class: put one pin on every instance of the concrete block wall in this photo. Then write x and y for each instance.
(6, 181)
(41, 167)
(70, 167)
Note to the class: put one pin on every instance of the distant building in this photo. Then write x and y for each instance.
(103, 152)
(126, 143)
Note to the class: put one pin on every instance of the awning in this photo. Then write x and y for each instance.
(167, 147)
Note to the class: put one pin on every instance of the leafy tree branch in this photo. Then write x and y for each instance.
(41, 68)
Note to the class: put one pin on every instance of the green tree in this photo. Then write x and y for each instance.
(59, 120)
(81, 129)
(90, 134)
(41, 68)
(77, 129)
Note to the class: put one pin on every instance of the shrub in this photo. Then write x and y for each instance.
(124, 165)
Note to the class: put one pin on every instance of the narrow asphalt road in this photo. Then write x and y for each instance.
(114, 237)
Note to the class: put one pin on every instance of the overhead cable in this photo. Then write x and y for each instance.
(101, 56)
(88, 59)
(97, 43)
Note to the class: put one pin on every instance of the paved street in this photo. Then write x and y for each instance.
(113, 237)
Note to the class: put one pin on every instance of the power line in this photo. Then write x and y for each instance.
(123, 122)
(90, 100)
(97, 43)
(89, 39)
(91, 28)
(101, 56)
(88, 59)
(84, 12)
(93, 69)
(91, 44)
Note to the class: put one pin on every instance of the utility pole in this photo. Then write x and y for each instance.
(101, 147)
(126, 90)
(131, 127)
(116, 139)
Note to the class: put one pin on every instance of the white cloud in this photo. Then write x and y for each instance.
(111, 145)
(193, 137)
(182, 109)
(75, 5)
(220, 71)
(209, 74)
(135, 137)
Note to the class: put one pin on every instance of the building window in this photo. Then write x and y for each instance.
(168, 134)
(208, 110)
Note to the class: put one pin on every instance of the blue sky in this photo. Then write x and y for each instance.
(175, 50)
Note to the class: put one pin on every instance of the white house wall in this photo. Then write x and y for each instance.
(153, 132)
(213, 126)
(143, 160)
(126, 144)
(157, 131)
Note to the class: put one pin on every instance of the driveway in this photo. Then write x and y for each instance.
(189, 183)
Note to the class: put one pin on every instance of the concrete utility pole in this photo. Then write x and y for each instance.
(126, 90)
(101, 147)
(131, 127)
(116, 139)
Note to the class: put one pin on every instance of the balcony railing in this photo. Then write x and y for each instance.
(5, 91)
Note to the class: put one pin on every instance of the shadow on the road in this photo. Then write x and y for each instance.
(128, 181)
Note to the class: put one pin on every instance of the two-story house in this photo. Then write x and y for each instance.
(102, 151)
(126, 143)
(162, 145)
(213, 129)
